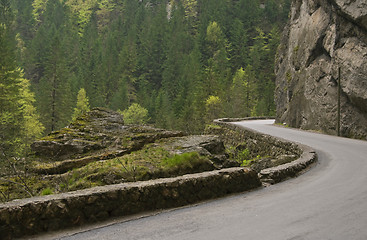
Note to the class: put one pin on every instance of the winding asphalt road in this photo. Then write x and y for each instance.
(327, 202)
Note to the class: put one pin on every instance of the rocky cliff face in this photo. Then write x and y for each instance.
(322, 36)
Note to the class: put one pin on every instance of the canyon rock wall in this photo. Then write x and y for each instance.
(322, 36)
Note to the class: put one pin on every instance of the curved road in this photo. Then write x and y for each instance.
(327, 202)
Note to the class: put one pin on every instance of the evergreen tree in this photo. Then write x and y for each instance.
(251, 92)
(82, 104)
(238, 94)
(217, 65)
(163, 111)
(31, 128)
(214, 108)
(192, 116)
(238, 52)
(18, 119)
(10, 114)
(54, 88)
(125, 93)
(90, 65)
(249, 12)
(153, 44)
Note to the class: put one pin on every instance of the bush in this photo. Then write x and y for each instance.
(182, 160)
(135, 114)
(46, 191)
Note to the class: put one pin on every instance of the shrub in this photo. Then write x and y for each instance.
(46, 191)
(182, 160)
(135, 114)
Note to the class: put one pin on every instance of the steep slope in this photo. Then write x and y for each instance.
(322, 36)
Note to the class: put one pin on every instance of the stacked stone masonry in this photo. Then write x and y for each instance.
(49, 213)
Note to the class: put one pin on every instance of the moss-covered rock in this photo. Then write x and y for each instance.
(97, 135)
(98, 149)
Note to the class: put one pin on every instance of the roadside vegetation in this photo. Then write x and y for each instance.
(152, 161)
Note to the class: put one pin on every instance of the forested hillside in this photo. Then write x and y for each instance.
(185, 61)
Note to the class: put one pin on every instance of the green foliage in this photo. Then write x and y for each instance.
(208, 59)
(83, 9)
(82, 104)
(213, 107)
(54, 53)
(125, 52)
(239, 94)
(135, 114)
(214, 36)
(32, 128)
(244, 154)
(248, 162)
(182, 160)
(39, 7)
(19, 121)
(47, 191)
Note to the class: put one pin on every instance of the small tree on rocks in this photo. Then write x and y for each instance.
(135, 114)
(82, 104)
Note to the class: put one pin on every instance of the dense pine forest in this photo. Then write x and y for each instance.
(179, 63)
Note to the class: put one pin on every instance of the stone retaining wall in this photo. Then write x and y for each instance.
(289, 170)
(307, 156)
(49, 213)
(257, 143)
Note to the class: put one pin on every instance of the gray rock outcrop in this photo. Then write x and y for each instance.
(322, 36)
(99, 134)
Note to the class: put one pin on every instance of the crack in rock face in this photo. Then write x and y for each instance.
(321, 37)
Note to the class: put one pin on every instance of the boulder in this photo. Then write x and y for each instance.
(95, 130)
(211, 146)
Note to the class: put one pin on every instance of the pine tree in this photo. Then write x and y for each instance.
(214, 108)
(82, 104)
(54, 90)
(32, 128)
(153, 44)
(251, 92)
(54, 85)
(10, 114)
(238, 94)
(217, 70)
(163, 111)
(90, 64)
(192, 116)
(238, 50)
(18, 118)
(125, 93)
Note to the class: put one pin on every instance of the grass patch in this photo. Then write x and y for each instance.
(47, 191)
(182, 160)
(248, 162)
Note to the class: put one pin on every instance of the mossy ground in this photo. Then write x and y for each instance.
(153, 161)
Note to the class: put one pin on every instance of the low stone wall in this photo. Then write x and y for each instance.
(257, 143)
(289, 170)
(276, 146)
(48, 213)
